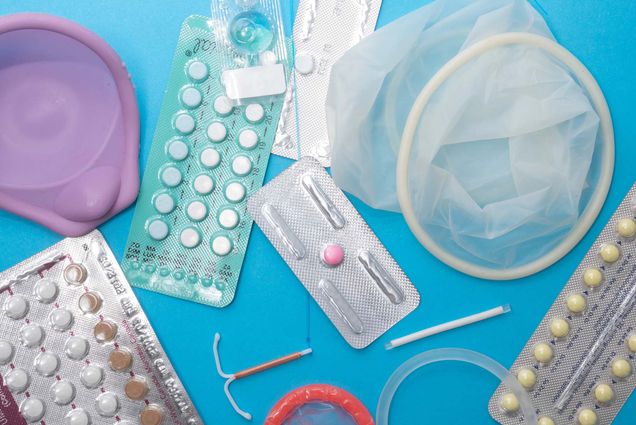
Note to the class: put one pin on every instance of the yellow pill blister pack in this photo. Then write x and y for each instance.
(579, 365)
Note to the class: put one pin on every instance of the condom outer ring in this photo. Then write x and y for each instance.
(319, 393)
(607, 161)
(459, 355)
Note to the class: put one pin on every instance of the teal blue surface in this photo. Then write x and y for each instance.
(272, 315)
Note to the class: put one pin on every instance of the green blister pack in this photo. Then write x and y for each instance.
(191, 227)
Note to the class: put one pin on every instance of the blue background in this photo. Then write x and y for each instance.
(272, 313)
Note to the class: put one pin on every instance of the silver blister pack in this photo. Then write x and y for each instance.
(76, 348)
(333, 252)
(323, 31)
(578, 365)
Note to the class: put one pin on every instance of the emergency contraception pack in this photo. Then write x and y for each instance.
(190, 229)
(333, 252)
(76, 347)
(323, 31)
(578, 366)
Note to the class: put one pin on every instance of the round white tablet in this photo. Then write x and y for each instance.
(191, 97)
(228, 218)
(45, 290)
(626, 228)
(46, 364)
(78, 417)
(76, 348)
(190, 237)
(267, 58)
(62, 392)
(92, 376)
(217, 132)
(254, 113)
(164, 203)
(178, 150)
(323, 148)
(107, 404)
(197, 70)
(610, 253)
(241, 165)
(203, 184)
(592, 277)
(6, 352)
(31, 335)
(61, 319)
(210, 157)
(221, 245)
(197, 210)
(16, 307)
(184, 123)
(171, 176)
(248, 139)
(158, 230)
(304, 63)
(32, 409)
(223, 105)
(17, 380)
(235, 192)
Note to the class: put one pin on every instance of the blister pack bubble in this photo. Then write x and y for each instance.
(323, 31)
(190, 229)
(578, 365)
(333, 252)
(76, 348)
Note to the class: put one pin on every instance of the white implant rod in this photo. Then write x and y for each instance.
(448, 326)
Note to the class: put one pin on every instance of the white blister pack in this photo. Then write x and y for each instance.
(333, 252)
(323, 31)
(76, 347)
(578, 366)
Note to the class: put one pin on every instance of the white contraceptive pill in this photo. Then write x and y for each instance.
(45, 290)
(78, 417)
(32, 409)
(164, 203)
(197, 70)
(197, 210)
(210, 158)
(191, 97)
(254, 113)
(304, 63)
(31, 335)
(46, 364)
(217, 132)
(6, 352)
(62, 392)
(61, 319)
(221, 245)
(158, 229)
(235, 192)
(223, 106)
(178, 150)
(184, 123)
(107, 404)
(190, 237)
(203, 184)
(17, 380)
(171, 176)
(16, 307)
(76, 348)
(228, 218)
(241, 165)
(248, 139)
(92, 376)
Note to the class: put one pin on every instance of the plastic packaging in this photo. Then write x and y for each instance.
(191, 228)
(500, 141)
(76, 347)
(579, 361)
(452, 354)
(333, 252)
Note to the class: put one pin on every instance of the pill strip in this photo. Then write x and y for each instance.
(333, 252)
(323, 31)
(76, 348)
(578, 365)
(190, 230)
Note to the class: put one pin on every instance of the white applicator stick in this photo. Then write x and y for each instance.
(448, 326)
